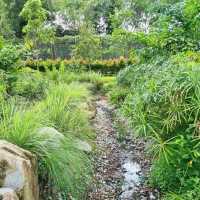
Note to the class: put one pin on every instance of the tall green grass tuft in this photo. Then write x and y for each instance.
(65, 105)
(62, 166)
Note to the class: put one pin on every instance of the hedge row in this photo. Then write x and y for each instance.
(104, 66)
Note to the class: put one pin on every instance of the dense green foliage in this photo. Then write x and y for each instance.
(37, 102)
(160, 96)
(154, 47)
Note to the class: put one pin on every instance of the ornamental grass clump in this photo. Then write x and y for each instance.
(63, 168)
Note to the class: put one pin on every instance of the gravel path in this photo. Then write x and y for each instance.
(120, 168)
(107, 182)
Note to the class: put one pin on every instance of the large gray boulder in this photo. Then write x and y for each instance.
(18, 171)
(54, 138)
(51, 136)
(50, 133)
(83, 145)
(8, 194)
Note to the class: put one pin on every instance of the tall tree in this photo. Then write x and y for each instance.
(88, 45)
(5, 26)
(36, 30)
(100, 14)
(12, 9)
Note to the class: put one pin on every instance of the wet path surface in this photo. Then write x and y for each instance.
(119, 167)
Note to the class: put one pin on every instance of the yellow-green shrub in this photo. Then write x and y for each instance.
(105, 66)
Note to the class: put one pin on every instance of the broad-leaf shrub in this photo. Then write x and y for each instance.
(31, 85)
(174, 29)
(8, 57)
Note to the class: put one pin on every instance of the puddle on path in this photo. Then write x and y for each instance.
(131, 172)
